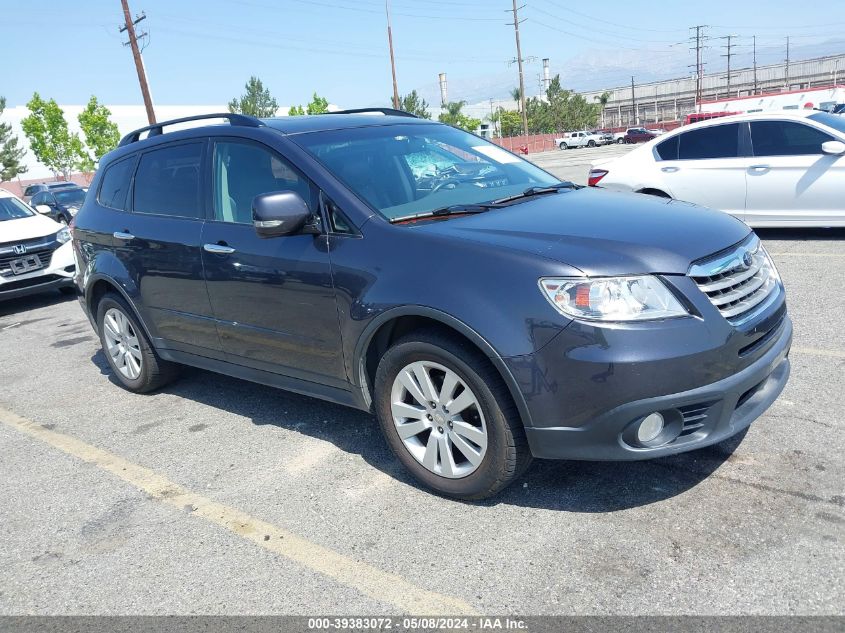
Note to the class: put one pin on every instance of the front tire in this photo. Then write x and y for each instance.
(591, 144)
(448, 417)
(563, 146)
(132, 359)
(621, 141)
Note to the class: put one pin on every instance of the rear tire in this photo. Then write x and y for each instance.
(563, 146)
(132, 359)
(621, 141)
(591, 144)
(453, 374)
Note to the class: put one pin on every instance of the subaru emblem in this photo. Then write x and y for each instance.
(19, 249)
(747, 259)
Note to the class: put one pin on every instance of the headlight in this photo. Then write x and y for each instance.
(773, 271)
(612, 298)
(63, 235)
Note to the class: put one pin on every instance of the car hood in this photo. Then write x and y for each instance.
(27, 228)
(603, 233)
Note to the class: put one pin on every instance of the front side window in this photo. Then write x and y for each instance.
(114, 188)
(717, 141)
(245, 170)
(167, 181)
(404, 170)
(13, 209)
(37, 199)
(786, 138)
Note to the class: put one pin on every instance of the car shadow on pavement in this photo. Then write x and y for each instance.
(33, 302)
(801, 234)
(568, 486)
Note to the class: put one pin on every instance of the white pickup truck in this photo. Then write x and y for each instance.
(582, 138)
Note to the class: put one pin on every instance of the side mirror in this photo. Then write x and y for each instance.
(279, 213)
(836, 148)
(43, 208)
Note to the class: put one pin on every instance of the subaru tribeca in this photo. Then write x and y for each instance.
(486, 312)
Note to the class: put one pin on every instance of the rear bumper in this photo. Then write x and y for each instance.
(700, 416)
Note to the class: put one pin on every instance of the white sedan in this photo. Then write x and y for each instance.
(767, 168)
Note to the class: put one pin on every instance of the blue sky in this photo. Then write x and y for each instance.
(203, 52)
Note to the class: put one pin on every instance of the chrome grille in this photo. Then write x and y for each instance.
(740, 282)
(42, 246)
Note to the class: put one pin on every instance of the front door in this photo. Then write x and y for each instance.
(273, 299)
(790, 178)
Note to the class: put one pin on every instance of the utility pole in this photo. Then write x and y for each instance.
(786, 70)
(634, 120)
(139, 62)
(392, 60)
(728, 46)
(754, 44)
(699, 66)
(519, 64)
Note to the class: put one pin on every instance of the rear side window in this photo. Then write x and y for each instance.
(167, 181)
(668, 149)
(718, 141)
(115, 184)
(786, 138)
(31, 191)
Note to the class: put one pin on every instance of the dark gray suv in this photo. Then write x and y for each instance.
(486, 312)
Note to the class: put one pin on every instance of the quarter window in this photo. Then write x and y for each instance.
(115, 185)
(717, 141)
(167, 181)
(786, 138)
(245, 170)
(668, 149)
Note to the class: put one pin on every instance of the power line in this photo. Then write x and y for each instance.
(699, 64)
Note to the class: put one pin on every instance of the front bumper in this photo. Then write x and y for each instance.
(58, 274)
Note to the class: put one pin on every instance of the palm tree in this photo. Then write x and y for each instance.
(517, 96)
(603, 98)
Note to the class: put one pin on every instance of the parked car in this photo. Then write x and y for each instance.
(605, 136)
(656, 131)
(35, 251)
(483, 310)
(31, 190)
(767, 168)
(583, 138)
(60, 204)
(638, 135)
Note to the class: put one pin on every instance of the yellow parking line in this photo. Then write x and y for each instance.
(818, 352)
(373, 582)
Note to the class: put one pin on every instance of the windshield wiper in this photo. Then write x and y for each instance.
(537, 191)
(454, 209)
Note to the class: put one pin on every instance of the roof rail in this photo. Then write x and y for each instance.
(385, 111)
(156, 129)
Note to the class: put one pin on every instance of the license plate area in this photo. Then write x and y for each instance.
(25, 264)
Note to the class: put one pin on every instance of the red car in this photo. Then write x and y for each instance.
(638, 135)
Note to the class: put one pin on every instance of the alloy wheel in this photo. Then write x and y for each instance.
(122, 343)
(439, 419)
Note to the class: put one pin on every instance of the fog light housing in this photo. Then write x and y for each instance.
(650, 428)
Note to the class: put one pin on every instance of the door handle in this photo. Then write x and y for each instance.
(218, 249)
(669, 170)
(122, 235)
(758, 167)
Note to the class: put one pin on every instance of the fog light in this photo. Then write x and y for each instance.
(650, 428)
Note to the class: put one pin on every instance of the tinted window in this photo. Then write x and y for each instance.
(244, 170)
(70, 197)
(115, 184)
(718, 141)
(167, 181)
(31, 190)
(668, 149)
(37, 199)
(786, 138)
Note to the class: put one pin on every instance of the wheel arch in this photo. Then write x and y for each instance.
(100, 285)
(653, 191)
(393, 324)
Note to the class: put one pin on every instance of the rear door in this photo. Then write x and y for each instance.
(159, 243)
(706, 166)
(273, 299)
(791, 180)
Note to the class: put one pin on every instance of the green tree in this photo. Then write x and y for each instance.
(101, 133)
(516, 95)
(296, 110)
(413, 103)
(454, 117)
(10, 153)
(256, 101)
(52, 143)
(510, 122)
(318, 105)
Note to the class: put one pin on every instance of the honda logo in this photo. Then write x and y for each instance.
(19, 249)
